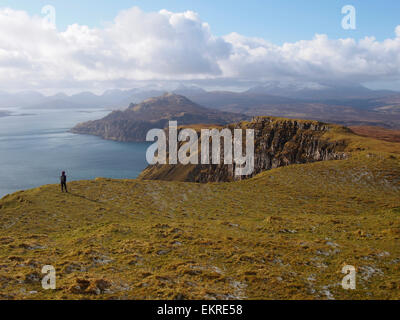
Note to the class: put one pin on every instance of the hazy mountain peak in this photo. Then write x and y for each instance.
(188, 89)
(168, 98)
(316, 91)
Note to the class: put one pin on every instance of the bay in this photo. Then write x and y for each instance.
(35, 146)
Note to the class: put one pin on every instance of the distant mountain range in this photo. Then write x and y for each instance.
(133, 123)
(343, 105)
(348, 105)
(273, 92)
(319, 92)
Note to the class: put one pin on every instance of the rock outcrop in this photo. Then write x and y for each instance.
(278, 142)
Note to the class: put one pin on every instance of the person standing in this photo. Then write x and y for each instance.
(63, 180)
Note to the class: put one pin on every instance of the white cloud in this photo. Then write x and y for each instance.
(176, 46)
(319, 59)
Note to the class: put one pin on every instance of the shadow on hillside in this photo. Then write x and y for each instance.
(83, 197)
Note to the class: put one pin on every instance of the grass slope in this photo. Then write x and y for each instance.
(285, 234)
(377, 133)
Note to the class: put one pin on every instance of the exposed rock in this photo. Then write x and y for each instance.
(80, 286)
(32, 277)
(278, 142)
(90, 286)
(73, 267)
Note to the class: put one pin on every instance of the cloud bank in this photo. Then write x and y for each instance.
(140, 46)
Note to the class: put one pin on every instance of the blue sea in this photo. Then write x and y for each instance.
(35, 146)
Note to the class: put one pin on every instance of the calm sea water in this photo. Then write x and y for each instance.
(35, 148)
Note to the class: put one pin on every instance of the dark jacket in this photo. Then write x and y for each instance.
(63, 179)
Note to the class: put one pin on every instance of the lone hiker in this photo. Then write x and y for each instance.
(63, 180)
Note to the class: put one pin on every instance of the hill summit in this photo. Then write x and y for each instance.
(133, 123)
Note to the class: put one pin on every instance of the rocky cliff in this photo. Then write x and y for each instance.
(133, 123)
(278, 142)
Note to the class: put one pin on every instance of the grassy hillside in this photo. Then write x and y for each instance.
(377, 133)
(284, 234)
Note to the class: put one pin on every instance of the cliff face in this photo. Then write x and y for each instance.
(118, 129)
(133, 123)
(278, 142)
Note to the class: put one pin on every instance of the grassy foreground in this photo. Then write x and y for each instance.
(285, 234)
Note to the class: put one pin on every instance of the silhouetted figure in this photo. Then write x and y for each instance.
(63, 180)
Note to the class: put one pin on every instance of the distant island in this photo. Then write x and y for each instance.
(4, 113)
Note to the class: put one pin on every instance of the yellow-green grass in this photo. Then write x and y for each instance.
(285, 234)
(359, 143)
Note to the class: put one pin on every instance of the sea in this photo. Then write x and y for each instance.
(35, 147)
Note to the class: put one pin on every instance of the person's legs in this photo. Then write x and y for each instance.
(62, 187)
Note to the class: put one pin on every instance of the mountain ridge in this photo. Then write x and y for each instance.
(133, 123)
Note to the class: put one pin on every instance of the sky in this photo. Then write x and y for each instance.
(103, 44)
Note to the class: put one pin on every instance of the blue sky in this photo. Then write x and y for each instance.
(276, 21)
(105, 44)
